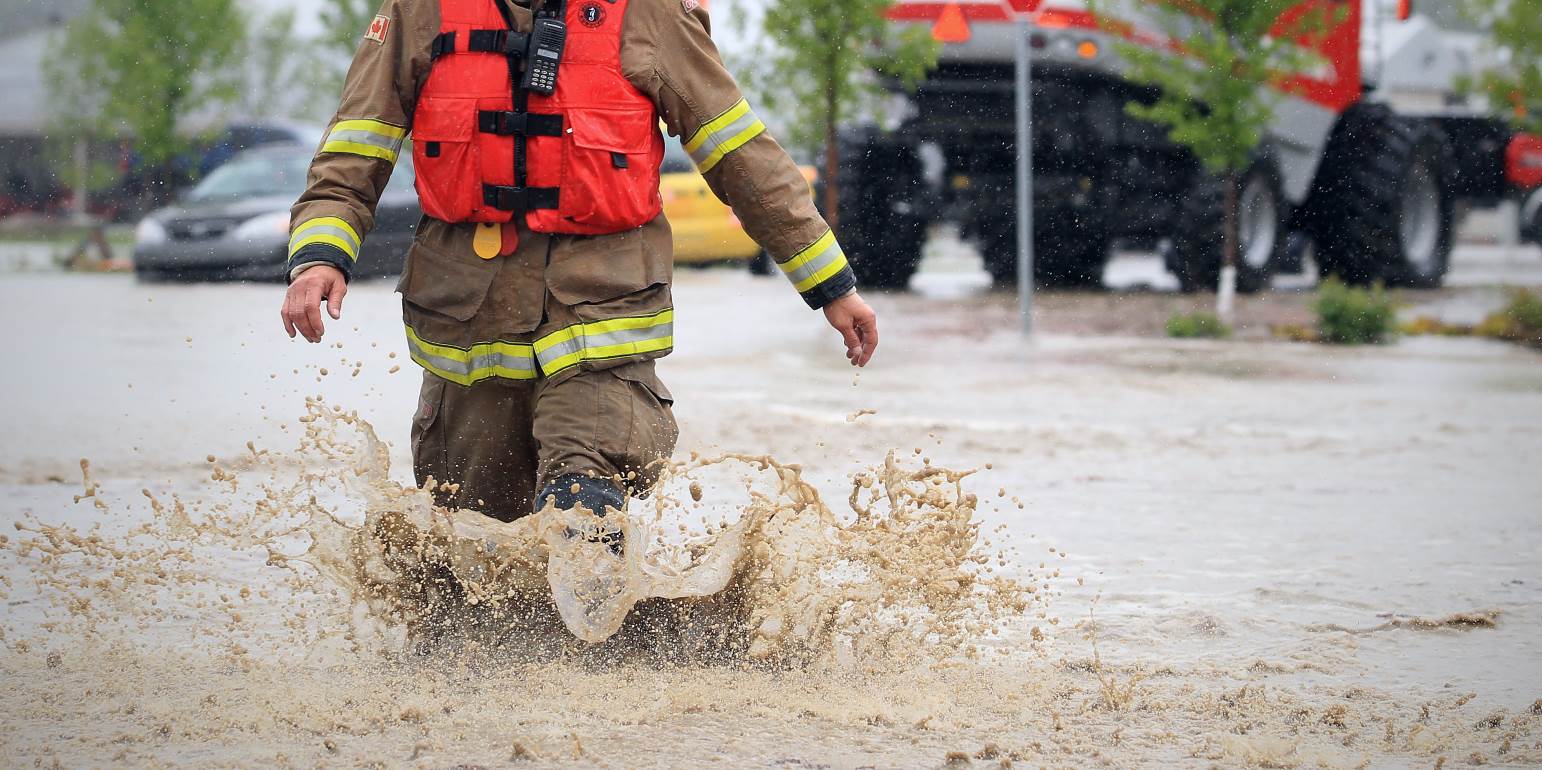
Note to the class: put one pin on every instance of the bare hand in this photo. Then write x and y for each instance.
(858, 325)
(302, 305)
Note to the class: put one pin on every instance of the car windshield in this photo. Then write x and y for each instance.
(255, 175)
(265, 174)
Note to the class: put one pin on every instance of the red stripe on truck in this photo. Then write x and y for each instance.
(1339, 46)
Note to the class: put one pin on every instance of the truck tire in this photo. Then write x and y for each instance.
(762, 264)
(1381, 209)
(1531, 217)
(1199, 245)
(1070, 250)
(879, 226)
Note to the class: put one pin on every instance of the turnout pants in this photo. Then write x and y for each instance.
(539, 365)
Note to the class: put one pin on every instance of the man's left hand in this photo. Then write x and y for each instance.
(858, 325)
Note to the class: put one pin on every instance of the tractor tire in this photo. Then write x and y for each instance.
(1199, 244)
(1070, 250)
(1381, 210)
(879, 226)
(1531, 217)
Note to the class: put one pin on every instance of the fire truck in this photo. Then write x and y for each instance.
(1370, 162)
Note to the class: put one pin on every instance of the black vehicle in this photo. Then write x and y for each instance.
(234, 225)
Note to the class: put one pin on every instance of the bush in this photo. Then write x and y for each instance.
(1520, 320)
(1197, 325)
(1351, 316)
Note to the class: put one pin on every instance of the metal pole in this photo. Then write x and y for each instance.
(1024, 174)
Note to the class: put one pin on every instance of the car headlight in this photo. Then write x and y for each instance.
(150, 231)
(263, 228)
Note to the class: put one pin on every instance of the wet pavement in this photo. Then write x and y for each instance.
(1296, 555)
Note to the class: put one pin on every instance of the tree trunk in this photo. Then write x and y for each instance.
(80, 206)
(832, 156)
(1226, 293)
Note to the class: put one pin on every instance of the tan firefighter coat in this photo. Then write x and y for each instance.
(471, 318)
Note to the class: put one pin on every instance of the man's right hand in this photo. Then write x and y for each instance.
(302, 305)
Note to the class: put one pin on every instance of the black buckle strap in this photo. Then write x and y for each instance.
(499, 41)
(505, 123)
(504, 41)
(519, 198)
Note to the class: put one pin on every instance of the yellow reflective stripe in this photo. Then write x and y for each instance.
(608, 351)
(611, 338)
(809, 254)
(710, 127)
(330, 230)
(324, 238)
(354, 148)
(816, 264)
(468, 366)
(724, 134)
(373, 126)
(370, 138)
(825, 274)
(731, 144)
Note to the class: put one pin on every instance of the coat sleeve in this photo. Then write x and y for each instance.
(668, 53)
(329, 222)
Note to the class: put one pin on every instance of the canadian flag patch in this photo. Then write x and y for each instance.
(378, 29)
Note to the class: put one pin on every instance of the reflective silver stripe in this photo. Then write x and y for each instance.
(599, 340)
(817, 263)
(370, 138)
(366, 137)
(325, 230)
(718, 138)
(468, 366)
(581, 341)
(822, 260)
(509, 360)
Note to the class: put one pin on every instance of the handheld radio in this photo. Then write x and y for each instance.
(547, 37)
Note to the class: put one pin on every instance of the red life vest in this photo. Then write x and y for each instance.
(591, 150)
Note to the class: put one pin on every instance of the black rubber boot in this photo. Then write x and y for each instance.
(595, 495)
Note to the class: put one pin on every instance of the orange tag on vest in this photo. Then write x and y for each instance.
(488, 240)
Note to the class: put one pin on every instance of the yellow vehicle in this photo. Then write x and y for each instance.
(705, 229)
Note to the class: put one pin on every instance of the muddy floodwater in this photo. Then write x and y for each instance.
(1084, 551)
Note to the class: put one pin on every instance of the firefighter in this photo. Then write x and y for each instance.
(536, 295)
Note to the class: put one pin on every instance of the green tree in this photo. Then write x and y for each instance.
(1513, 83)
(140, 67)
(344, 23)
(276, 63)
(827, 62)
(1214, 83)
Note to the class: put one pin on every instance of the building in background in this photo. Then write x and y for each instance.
(27, 180)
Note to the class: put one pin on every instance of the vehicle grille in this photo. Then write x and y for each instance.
(201, 229)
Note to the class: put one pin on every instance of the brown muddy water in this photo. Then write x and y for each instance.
(1085, 552)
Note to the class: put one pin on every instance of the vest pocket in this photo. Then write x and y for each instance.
(610, 180)
(447, 158)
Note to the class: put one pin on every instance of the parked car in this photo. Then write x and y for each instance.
(705, 229)
(237, 137)
(234, 225)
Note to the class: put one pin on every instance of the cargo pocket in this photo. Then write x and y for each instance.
(429, 458)
(652, 432)
(604, 267)
(612, 169)
(441, 282)
(447, 159)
